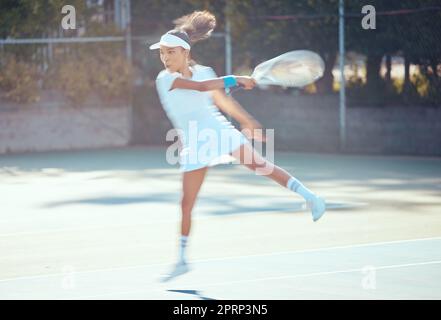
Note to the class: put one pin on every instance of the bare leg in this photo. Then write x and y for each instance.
(249, 157)
(191, 182)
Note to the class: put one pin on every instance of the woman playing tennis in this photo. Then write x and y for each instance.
(191, 96)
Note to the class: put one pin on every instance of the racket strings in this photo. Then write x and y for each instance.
(293, 69)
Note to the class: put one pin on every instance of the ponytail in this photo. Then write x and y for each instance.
(198, 25)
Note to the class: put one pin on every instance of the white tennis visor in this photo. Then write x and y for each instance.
(170, 40)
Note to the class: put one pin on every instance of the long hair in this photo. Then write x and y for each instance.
(198, 25)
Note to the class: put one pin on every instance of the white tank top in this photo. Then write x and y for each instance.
(180, 103)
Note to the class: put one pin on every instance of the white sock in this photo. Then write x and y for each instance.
(182, 248)
(296, 186)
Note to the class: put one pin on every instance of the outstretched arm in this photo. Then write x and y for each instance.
(212, 84)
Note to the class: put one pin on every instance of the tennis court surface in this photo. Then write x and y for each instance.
(103, 224)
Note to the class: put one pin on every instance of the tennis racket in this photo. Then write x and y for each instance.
(292, 69)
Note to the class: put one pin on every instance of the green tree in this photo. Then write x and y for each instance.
(314, 29)
(34, 18)
(415, 36)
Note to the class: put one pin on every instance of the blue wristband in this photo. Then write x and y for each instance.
(230, 81)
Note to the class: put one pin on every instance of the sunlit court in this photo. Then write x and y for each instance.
(102, 225)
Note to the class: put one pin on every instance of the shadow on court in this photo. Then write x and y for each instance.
(194, 293)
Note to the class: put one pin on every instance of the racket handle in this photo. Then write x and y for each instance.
(234, 89)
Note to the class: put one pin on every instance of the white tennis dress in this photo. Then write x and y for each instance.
(207, 137)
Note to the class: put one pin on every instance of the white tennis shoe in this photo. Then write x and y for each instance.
(179, 269)
(317, 206)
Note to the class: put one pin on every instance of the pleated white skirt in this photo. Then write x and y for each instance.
(207, 139)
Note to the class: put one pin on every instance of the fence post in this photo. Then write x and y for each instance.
(128, 25)
(342, 75)
(228, 49)
(228, 64)
(128, 29)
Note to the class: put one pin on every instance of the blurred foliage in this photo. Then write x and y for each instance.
(19, 80)
(414, 36)
(108, 76)
(154, 17)
(260, 38)
(79, 70)
(92, 68)
(257, 38)
(419, 91)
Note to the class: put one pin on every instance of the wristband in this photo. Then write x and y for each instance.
(229, 81)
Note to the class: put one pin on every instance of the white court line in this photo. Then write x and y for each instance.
(303, 275)
(227, 258)
(394, 266)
